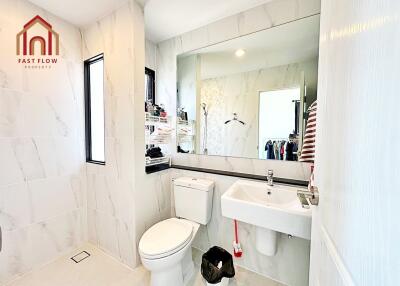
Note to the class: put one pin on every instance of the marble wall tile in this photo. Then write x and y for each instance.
(15, 207)
(113, 235)
(54, 237)
(17, 256)
(38, 118)
(10, 170)
(150, 55)
(91, 224)
(195, 39)
(155, 201)
(249, 21)
(35, 159)
(11, 123)
(26, 153)
(121, 197)
(265, 16)
(107, 236)
(166, 75)
(37, 244)
(52, 197)
(126, 234)
(292, 170)
(42, 175)
(120, 110)
(224, 29)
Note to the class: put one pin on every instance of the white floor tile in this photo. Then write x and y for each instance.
(102, 270)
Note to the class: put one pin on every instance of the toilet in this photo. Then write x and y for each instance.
(166, 248)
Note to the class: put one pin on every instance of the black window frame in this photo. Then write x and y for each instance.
(88, 123)
(152, 85)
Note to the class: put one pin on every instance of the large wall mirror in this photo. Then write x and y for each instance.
(249, 97)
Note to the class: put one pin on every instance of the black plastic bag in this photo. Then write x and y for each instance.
(209, 265)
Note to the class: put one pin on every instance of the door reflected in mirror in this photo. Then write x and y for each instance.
(278, 128)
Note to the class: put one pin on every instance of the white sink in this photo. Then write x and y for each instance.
(271, 208)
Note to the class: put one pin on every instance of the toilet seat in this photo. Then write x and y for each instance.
(165, 238)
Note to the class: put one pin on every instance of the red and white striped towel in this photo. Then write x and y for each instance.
(308, 150)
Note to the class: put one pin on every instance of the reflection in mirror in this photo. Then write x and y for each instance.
(279, 124)
(249, 97)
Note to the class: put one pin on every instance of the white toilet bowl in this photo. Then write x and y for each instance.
(166, 248)
(166, 251)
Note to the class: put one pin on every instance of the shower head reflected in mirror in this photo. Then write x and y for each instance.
(204, 107)
(205, 131)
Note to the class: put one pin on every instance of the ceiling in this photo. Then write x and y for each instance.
(164, 19)
(81, 12)
(167, 19)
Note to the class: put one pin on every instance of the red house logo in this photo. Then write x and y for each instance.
(49, 46)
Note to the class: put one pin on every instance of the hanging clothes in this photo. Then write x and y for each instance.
(269, 147)
(289, 151)
(282, 150)
(276, 149)
(308, 150)
(295, 150)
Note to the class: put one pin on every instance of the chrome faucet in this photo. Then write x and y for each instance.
(270, 178)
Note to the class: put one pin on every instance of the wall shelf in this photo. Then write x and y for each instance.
(157, 161)
(151, 120)
(180, 121)
(158, 131)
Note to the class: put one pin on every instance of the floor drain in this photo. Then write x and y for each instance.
(80, 256)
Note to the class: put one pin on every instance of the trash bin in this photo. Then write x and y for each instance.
(217, 266)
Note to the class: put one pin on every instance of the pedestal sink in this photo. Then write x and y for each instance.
(272, 209)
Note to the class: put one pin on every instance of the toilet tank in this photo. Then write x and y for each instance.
(193, 199)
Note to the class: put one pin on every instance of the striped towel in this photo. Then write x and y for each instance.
(308, 150)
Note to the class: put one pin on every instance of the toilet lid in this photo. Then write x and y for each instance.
(165, 237)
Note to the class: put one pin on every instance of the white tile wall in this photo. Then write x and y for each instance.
(150, 55)
(111, 204)
(123, 201)
(42, 176)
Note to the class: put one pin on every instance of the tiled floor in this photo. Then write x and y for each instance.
(102, 270)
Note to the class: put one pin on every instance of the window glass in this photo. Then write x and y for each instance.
(94, 83)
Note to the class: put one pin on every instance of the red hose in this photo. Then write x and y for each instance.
(236, 232)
